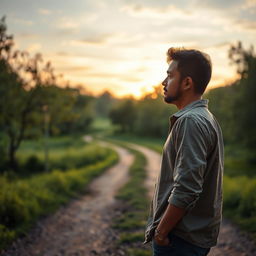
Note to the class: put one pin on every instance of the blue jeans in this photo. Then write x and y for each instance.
(178, 247)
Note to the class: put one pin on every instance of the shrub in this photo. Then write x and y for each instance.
(247, 206)
(23, 201)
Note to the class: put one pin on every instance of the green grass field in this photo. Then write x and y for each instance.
(24, 200)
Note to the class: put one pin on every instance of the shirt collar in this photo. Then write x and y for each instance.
(194, 104)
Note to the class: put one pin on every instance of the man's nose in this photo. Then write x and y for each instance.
(164, 82)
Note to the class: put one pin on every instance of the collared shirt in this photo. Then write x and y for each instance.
(191, 176)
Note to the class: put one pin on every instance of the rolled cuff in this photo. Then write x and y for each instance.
(183, 201)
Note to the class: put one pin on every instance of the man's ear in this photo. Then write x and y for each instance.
(188, 83)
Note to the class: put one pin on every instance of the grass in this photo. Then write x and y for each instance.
(132, 223)
(64, 153)
(24, 201)
(239, 161)
(103, 127)
(240, 202)
(155, 144)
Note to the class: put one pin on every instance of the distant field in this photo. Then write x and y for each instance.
(102, 126)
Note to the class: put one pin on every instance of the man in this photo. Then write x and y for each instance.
(186, 209)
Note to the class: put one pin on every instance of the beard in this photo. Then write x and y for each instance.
(172, 98)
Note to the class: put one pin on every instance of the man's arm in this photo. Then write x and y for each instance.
(170, 218)
(191, 146)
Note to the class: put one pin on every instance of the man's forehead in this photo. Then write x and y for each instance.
(173, 66)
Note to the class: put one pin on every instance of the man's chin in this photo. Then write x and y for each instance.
(168, 99)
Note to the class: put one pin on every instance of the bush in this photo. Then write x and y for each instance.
(23, 201)
(13, 210)
(33, 164)
(247, 206)
(240, 201)
(6, 236)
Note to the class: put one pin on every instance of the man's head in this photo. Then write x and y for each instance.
(188, 74)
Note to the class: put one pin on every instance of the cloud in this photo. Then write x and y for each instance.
(141, 11)
(221, 45)
(44, 11)
(74, 23)
(80, 50)
(245, 24)
(34, 47)
(220, 4)
(239, 13)
(62, 53)
(250, 5)
(66, 25)
(141, 69)
(95, 39)
(28, 35)
(124, 77)
(68, 68)
(23, 21)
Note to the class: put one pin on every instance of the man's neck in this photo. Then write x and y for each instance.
(186, 101)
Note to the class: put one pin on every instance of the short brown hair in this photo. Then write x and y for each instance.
(192, 63)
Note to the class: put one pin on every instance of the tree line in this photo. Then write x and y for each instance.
(32, 102)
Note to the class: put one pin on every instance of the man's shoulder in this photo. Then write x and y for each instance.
(201, 116)
(194, 120)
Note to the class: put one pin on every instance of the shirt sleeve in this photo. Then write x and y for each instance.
(190, 142)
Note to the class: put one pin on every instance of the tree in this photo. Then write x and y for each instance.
(15, 98)
(104, 103)
(80, 114)
(124, 115)
(28, 87)
(153, 115)
(245, 104)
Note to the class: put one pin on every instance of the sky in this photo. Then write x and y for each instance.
(121, 45)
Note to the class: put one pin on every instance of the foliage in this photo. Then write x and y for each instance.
(81, 111)
(234, 105)
(23, 201)
(32, 103)
(153, 115)
(147, 116)
(124, 114)
(240, 201)
(103, 104)
(65, 153)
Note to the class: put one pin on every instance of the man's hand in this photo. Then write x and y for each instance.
(162, 242)
(171, 217)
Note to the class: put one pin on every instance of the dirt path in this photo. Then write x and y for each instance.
(231, 242)
(83, 226)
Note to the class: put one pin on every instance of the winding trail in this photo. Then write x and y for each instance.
(82, 227)
(231, 241)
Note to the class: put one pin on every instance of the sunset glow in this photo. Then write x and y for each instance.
(120, 45)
